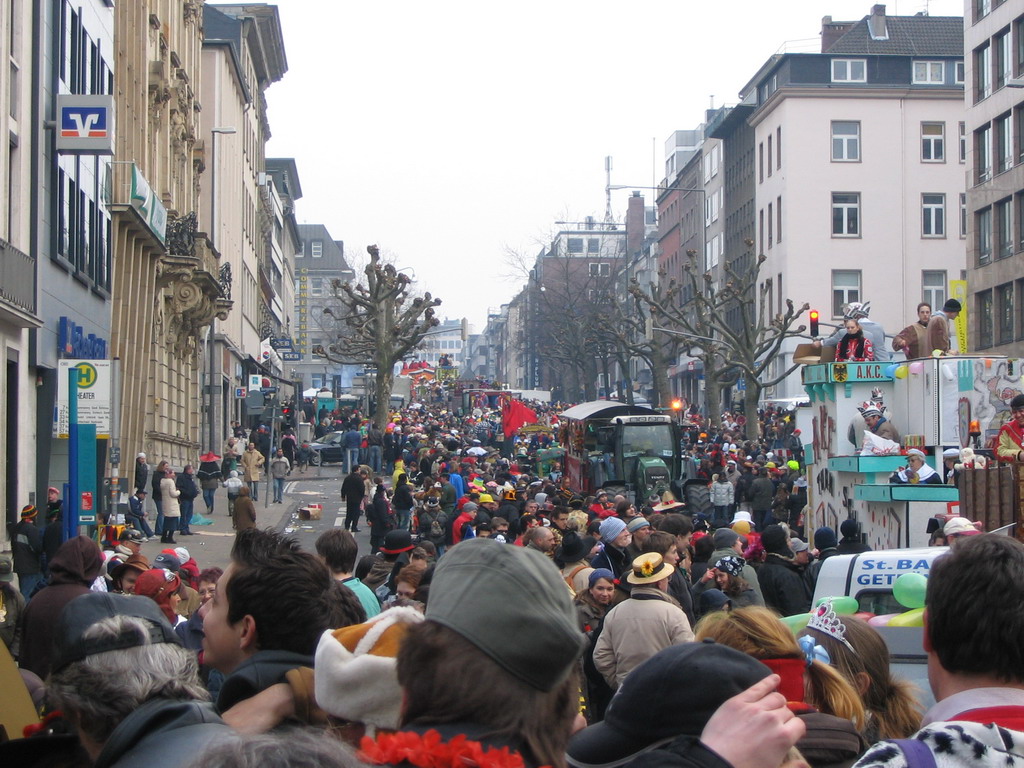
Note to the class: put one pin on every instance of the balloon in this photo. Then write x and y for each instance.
(947, 372)
(890, 370)
(883, 620)
(914, 618)
(864, 616)
(909, 590)
(916, 367)
(796, 622)
(901, 372)
(843, 606)
(936, 353)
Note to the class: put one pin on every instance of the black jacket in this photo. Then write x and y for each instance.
(27, 547)
(186, 484)
(353, 489)
(141, 475)
(783, 586)
(163, 734)
(257, 673)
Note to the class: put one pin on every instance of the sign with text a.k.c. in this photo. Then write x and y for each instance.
(94, 377)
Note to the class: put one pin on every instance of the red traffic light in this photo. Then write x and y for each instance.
(677, 405)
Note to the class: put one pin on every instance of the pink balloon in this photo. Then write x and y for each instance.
(883, 620)
(916, 368)
(864, 615)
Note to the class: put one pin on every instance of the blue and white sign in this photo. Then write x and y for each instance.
(85, 125)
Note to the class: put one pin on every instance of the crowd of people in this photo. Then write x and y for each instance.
(501, 618)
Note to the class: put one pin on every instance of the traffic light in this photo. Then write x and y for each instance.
(814, 322)
(677, 404)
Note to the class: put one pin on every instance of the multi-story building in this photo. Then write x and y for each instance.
(18, 310)
(858, 174)
(571, 281)
(166, 288)
(242, 55)
(319, 262)
(69, 221)
(683, 216)
(994, 146)
(444, 340)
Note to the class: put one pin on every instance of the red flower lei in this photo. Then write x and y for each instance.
(431, 751)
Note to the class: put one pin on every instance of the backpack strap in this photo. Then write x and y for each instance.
(571, 576)
(917, 753)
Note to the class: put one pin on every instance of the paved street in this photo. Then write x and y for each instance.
(211, 544)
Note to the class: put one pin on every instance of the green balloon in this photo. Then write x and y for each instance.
(796, 622)
(909, 590)
(843, 606)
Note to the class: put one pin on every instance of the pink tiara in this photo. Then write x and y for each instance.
(824, 619)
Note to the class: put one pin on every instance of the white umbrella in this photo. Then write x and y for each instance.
(311, 392)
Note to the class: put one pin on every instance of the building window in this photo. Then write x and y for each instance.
(769, 154)
(593, 245)
(982, 8)
(933, 142)
(983, 154)
(849, 71)
(983, 311)
(574, 244)
(315, 287)
(771, 221)
(963, 215)
(1020, 308)
(929, 72)
(845, 214)
(778, 147)
(302, 250)
(845, 141)
(1018, 35)
(602, 269)
(760, 228)
(1019, 210)
(1004, 313)
(983, 235)
(958, 72)
(1004, 228)
(317, 249)
(760, 163)
(1003, 54)
(982, 72)
(962, 128)
(778, 219)
(845, 288)
(933, 287)
(934, 215)
(1004, 143)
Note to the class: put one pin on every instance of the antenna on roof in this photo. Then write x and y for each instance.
(608, 190)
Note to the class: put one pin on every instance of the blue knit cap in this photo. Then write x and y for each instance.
(600, 573)
(610, 528)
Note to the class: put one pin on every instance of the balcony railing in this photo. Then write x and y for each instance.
(17, 278)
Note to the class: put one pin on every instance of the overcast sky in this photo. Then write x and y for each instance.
(452, 132)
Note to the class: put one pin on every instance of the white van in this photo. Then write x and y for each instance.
(869, 577)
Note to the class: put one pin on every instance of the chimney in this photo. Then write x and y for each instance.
(831, 31)
(876, 23)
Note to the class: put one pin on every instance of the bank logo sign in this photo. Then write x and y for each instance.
(85, 125)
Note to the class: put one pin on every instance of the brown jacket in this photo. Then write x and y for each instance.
(912, 338)
(244, 515)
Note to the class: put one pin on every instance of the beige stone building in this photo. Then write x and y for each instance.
(166, 283)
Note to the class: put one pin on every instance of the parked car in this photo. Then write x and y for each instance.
(327, 450)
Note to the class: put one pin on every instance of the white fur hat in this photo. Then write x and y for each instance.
(355, 668)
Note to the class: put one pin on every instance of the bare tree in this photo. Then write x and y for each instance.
(732, 326)
(377, 324)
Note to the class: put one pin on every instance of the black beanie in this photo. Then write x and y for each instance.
(825, 538)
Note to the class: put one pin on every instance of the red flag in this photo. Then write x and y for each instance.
(514, 415)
